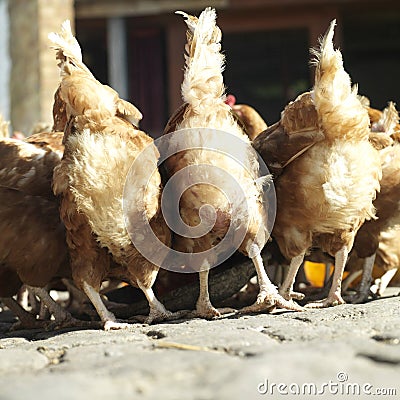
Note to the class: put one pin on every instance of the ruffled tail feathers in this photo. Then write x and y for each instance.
(67, 47)
(340, 112)
(203, 87)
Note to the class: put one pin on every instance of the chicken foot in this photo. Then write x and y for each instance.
(334, 296)
(268, 297)
(363, 290)
(58, 312)
(158, 312)
(62, 318)
(204, 308)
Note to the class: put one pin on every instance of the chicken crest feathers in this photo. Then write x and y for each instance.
(341, 114)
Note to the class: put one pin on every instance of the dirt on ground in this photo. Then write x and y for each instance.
(348, 351)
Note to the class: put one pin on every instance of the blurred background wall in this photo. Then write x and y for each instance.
(4, 61)
(136, 46)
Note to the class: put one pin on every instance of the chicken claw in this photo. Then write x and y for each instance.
(158, 312)
(62, 318)
(160, 316)
(204, 309)
(331, 301)
(357, 298)
(207, 311)
(268, 299)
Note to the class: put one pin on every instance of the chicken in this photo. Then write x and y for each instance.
(251, 119)
(214, 173)
(387, 204)
(33, 250)
(107, 197)
(329, 171)
(361, 259)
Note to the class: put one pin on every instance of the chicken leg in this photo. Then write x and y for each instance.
(204, 308)
(26, 319)
(365, 284)
(286, 289)
(158, 312)
(106, 316)
(62, 318)
(334, 296)
(60, 315)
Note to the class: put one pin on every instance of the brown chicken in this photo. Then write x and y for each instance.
(383, 125)
(33, 250)
(251, 119)
(387, 204)
(101, 144)
(329, 171)
(204, 133)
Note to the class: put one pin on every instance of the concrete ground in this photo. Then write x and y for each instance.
(348, 351)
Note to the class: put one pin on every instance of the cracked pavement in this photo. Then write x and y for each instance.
(231, 358)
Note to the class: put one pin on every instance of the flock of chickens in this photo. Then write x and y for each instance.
(335, 165)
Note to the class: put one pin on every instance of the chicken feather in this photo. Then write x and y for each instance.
(27, 165)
